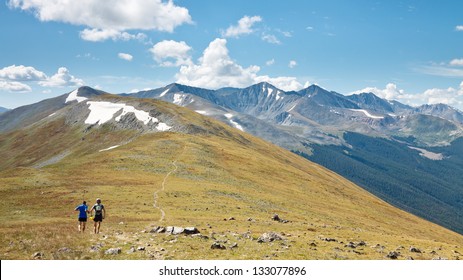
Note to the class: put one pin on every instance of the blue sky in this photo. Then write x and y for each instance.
(410, 51)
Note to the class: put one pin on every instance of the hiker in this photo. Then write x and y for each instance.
(100, 214)
(83, 209)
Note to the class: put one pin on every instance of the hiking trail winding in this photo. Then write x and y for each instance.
(163, 187)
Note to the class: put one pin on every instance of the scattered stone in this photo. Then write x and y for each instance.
(269, 237)
(191, 230)
(131, 250)
(38, 255)
(439, 259)
(362, 243)
(65, 250)
(121, 223)
(351, 245)
(217, 245)
(113, 251)
(327, 239)
(393, 255)
(250, 219)
(200, 236)
(96, 248)
(234, 245)
(414, 250)
(141, 248)
(158, 229)
(313, 244)
(174, 230)
(231, 219)
(410, 258)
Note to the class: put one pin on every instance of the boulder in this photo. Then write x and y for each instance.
(269, 237)
(217, 245)
(191, 230)
(113, 251)
(414, 250)
(393, 255)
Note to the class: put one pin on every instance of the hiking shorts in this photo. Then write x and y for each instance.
(98, 218)
(82, 219)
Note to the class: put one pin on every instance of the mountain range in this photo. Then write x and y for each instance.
(408, 156)
(160, 168)
(2, 109)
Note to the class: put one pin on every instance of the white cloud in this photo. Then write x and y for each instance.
(99, 35)
(216, 69)
(272, 39)
(21, 73)
(292, 64)
(270, 62)
(125, 56)
(459, 28)
(170, 53)
(62, 79)
(449, 96)
(244, 27)
(14, 86)
(105, 18)
(457, 62)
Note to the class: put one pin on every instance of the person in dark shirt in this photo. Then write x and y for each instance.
(100, 214)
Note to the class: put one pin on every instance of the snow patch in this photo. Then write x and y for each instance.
(367, 113)
(110, 148)
(102, 112)
(51, 115)
(164, 92)
(294, 106)
(178, 98)
(428, 154)
(278, 97)
(235, 124)
(205, 113)
(74, 97)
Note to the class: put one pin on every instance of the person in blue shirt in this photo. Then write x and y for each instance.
(83, 210)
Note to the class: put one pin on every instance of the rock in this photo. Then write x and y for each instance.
(65, 250)
(234, 245)
(393, 255)
(269, 237)
(231, 219)
(414, 250)
(131, 250)
(217, 245)
(113, 251)
(191, 230)
(174, 230)
(362, 243)
(141, 248)
(276, 218)
(313, 244)
(439, 259)
(327, 239)
(351, 245)
(38, 255)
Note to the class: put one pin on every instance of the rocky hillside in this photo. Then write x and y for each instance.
(179, 185)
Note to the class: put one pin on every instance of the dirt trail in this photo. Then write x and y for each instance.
(163, 187)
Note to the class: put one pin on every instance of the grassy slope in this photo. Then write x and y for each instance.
(216, 175)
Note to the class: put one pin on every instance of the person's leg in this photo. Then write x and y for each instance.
(98, 227)
(78, 226)
(83, 226)
(94, 227)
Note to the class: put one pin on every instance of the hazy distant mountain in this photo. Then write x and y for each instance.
(2, 110)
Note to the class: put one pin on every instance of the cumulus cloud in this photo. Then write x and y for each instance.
(243, 27)
(457, 62)
(270, 62)
(450, 96)
(110, 18)
(459, 28)
(21, 73)
(62, 79)
(216, 69)
(14, 86)
(99, 35)
(170, 53)
(272, 39)
(292, 64)
(125, 56)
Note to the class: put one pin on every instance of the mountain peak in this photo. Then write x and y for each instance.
(82, 94)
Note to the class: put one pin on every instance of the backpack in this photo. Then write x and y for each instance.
(98, 209)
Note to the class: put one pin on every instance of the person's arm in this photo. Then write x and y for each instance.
(104, 213)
